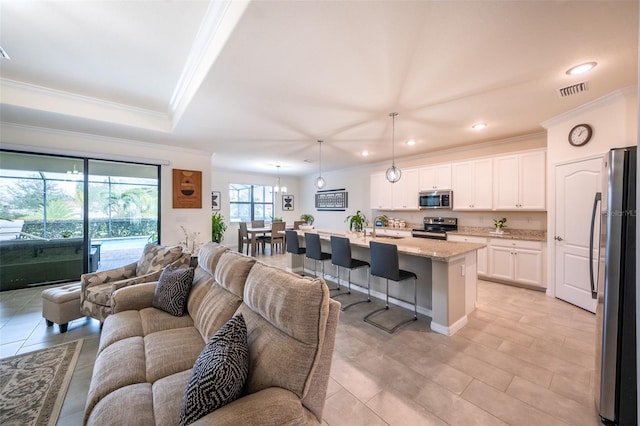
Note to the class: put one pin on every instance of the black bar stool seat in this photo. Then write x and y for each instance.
(314, 251)
(293, 246)
(341, 258)
(385, 264)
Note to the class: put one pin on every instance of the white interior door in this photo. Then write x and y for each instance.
(576, 186)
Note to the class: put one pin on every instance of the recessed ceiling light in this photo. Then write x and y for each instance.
(411, 142)
(365, 153)
(582, 68)
(479, 126)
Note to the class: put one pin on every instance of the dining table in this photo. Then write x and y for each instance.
(253, 234)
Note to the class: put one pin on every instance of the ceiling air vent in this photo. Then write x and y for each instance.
(573, 89)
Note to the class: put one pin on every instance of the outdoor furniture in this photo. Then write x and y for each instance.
(98, 287)
(61, 305)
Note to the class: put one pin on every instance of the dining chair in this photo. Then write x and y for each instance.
(243, 238)
(341, 258)
(257, 223)
(297, 223)
(385, 264)
(277, 237)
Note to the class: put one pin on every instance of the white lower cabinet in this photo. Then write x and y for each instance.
(518, 261)
(481, 261)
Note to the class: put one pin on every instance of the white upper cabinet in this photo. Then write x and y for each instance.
(435, 177)
(472, 185)
(402, 195)
(381, 192)
(405, 191)
(519, 182)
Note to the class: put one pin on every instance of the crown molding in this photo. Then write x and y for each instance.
(596, 103)
(13, 134)
(217, 25)
(41, 98)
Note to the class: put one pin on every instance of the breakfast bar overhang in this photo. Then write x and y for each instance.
(446, 275)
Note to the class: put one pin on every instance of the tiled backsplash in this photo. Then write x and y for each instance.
(515, 220)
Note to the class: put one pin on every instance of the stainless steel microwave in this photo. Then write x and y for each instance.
(435, 199)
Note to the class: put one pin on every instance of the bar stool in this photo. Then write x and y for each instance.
(341, 257)
(293, 247)
(385, 264)
(314, 251)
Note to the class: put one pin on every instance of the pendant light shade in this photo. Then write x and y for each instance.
(393, 173)
(319, 182)
(278, 186)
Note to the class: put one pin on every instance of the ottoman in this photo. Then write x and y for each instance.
(61, 305)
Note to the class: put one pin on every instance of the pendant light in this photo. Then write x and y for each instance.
(278, 186)
(393, 173)
(320, 180)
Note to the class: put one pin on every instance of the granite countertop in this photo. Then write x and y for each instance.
(424, 247)
(509, 234)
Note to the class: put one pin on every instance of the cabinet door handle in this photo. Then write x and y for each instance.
(558, 238)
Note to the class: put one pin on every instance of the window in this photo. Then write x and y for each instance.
(250, 202)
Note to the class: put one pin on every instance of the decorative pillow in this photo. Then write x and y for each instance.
(219, 373)
(173, 289)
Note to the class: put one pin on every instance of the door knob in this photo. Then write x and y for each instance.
(557, 238)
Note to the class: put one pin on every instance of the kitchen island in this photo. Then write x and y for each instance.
(446, 275)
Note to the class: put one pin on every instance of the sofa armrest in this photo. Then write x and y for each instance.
(278, 405)
(135, 297)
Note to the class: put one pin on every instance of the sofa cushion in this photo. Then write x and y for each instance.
(118, 365)
(171, 351)
(282, 348)
(118, 327)
(154, 320)
(232, 271)
(138, 400)
(99, 294)
(173, 289)
(218, 306)
(219, 373)
(167, 397)
(209, 255)
(154, 257)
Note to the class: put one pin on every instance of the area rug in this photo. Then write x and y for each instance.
(33, 385)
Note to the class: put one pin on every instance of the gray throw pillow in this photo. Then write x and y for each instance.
(219, 373)
(173, 289)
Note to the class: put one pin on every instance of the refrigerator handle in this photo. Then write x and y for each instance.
(594, 213)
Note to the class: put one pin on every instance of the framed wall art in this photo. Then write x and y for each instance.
(332, 200)
(287, 202)
(187, 189)
(215, 200)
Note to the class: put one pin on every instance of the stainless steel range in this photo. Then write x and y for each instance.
(436, 227)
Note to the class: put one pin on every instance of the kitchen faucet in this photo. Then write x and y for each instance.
(373, 228)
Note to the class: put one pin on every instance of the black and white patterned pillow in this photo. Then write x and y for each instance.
(219, 373)
(173, 289)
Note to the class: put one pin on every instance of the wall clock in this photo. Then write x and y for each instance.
(580, 134)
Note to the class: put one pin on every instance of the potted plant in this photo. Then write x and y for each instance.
(217, 227)
(357, 222)
(307, 218)
(499, 224)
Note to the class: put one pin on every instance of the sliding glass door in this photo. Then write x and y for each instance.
(123, 210)
(63, 216)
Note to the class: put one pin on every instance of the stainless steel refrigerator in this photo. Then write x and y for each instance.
(613, 283)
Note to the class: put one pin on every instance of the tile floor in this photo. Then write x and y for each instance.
(523, 359)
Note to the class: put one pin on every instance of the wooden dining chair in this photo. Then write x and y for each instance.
(257, 223)
(297, 223)
(277, 236)
(243, 238)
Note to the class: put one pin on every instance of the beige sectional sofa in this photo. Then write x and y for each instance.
(146, 355)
